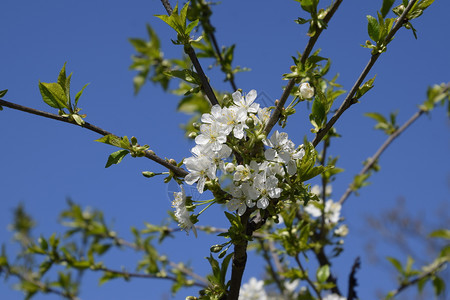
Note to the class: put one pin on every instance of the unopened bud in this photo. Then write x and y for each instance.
(230, 167)
(215, 248)
(196, 125)
(133, 140)
(192, 135)
(250, 122)
(172, 162)
(148, 174)
(306, 90)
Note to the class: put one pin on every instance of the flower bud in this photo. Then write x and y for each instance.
(230, 167)
(133, 140)
(250, 122)
(215, 248)
(148, 174)
(192, 135)
(172, 162)
(306, 91)
(196, 125)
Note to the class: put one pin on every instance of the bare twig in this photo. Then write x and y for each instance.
(149, 154)
(287, 90)
(349, 100)
(372, 160)
(313, 286)
(275, 273)
(167, 6)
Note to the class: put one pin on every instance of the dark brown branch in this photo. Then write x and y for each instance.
(219, 55)
(287, 90)
(149, 154)
(349, 100)
(239, 261)
(274, 273)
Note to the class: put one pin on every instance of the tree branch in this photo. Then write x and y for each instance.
(313, 286)
(349, 100)
(149, 154)
(287, 90)
(206, 87)
(411, 282)
(372, 160)
(352, 282)
(274, 273)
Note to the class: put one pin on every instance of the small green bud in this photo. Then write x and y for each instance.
(261, 137)
(133, 140)
(250, 122)
(215, 248)
(192, 135)
(172, 162)
(196, 125)
(148, 174)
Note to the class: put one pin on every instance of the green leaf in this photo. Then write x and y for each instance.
(323, 273)
(116, 157)
(365, 88)
(317, 112)
(224, 268)
(396, 264)
(53, 94)
(110, 139)
(439, 285)
(78, 95)
(373, 28)
(3, 93)
(191, 26)
(64, 81)
(377, 117)
(441, 233)
(186, 74)
(386, 7)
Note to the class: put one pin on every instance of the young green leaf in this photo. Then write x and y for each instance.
(386, 7)
(78, 95)
(396, 264)
(323, 273)
(373, 28)
(441, 233)
(110, 139)
(116, 157)
(53, 94)
(3, 93)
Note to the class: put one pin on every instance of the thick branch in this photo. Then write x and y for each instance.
(239, 261)
(167, 6)
(349, 100)
(287, 90)
(149, 154)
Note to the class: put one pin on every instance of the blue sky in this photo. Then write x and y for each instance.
(43, 161)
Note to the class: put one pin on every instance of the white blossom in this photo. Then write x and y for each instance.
(213, 134)
(247, 102)
(200, 169)
(181, 213)
(253, 290)
(332, 211)
(341, 230)
(333, 297)
(266, 187)
(306, 90)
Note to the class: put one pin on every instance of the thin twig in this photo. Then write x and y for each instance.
(149, 154)
(372, 160)
(127, 275)
(274, 273)
(411, 282)
(167, 6)
(287, 90)
(349, 100)
(313, 286)
(206, 87)
(44, 288)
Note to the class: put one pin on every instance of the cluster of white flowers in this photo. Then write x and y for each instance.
(181, 213)
(332, 210)
(255, 183)
(253, 290)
